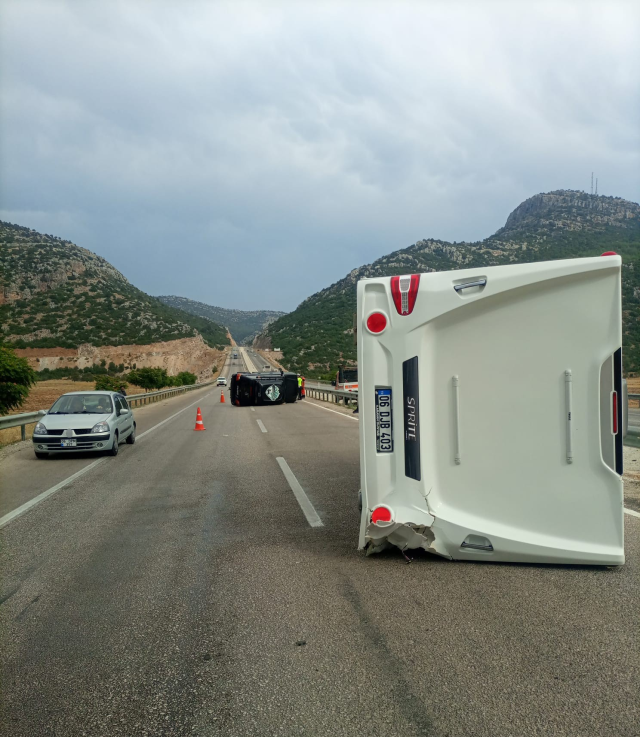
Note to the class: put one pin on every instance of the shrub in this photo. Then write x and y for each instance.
(184, 378)
(16, 378)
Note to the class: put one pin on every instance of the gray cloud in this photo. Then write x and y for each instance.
(249, 154)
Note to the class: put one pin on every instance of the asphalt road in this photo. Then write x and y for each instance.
(255, 361)
(179, 589)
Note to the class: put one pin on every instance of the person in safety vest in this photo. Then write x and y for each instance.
(299, 387)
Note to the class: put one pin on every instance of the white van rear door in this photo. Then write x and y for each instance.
(505, 422)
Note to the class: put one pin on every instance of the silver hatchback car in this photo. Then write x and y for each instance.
(85, 421)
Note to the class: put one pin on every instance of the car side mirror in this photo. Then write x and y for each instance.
(123, 411)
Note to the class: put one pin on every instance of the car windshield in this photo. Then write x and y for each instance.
(82, 404)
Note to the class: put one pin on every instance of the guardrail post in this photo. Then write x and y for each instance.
(23, 432)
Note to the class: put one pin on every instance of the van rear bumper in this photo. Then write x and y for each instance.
(447, 539)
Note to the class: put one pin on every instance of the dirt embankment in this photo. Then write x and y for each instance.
(187, 354)
(262, 342)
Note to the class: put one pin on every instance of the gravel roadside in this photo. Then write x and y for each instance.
(632, 478)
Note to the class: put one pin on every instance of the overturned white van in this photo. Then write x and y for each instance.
(491, 412)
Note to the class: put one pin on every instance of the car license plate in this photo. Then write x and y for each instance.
(68, 443)
(384, 420)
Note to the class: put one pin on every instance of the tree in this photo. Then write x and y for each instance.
(110, 384)
(16, 378)
(149, 378)
(184, 378)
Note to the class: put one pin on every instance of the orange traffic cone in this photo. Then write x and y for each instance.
(222, 399)
(199, 422)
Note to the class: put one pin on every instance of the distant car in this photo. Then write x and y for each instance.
(85, 421)
(222, 381)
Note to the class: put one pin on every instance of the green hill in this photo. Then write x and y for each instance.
(318, 336)
(55, 294)
(243, 325)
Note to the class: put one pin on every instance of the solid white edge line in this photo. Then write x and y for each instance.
(10, 516)
(41, 497)
(335, 412)
(303, 500)
(632, 512)
(261, 425)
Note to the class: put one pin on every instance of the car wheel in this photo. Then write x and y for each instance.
(131, 438)
(114, 448)
(41, 455)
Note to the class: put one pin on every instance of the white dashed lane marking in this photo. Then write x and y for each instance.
(303, 500)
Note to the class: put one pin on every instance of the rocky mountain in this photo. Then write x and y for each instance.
(242, 325)
(55, 294)
(318, 336)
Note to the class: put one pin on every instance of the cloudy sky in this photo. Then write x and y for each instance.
(249, 154)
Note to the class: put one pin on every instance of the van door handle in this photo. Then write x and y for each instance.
(469, 284)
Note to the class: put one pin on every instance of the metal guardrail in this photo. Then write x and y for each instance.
(329, 394)
(21, 420)
(132, 399)
(29, 418)
(632, 436)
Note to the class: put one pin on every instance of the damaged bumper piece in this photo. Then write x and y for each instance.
(457, 543)
(491, 413)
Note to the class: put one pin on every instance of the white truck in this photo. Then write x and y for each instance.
(491, 412)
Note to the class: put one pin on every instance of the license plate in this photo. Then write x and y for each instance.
(384, 420)
(68, 443)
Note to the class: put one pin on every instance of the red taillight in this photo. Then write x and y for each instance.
(376, 322)
(609, 253)
(381, 514)
(615, 413)
(404, 290)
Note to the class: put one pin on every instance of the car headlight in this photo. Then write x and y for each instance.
(40, 429)
(100, 427)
